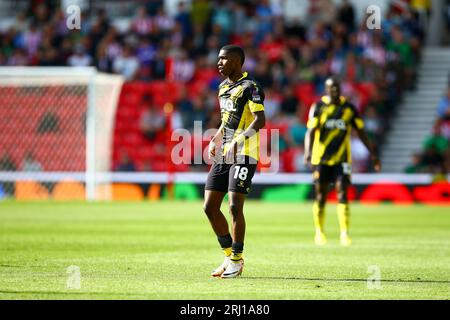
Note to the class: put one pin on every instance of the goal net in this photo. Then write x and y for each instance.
(56, 132)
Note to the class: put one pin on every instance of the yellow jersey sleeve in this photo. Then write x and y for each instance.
(255, 98)
(313, 119)
(255, 107)
(357, 121)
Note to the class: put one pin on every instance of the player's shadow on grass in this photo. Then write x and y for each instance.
(348, 280)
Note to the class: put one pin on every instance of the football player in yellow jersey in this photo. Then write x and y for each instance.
(242, 111)
(327, 151)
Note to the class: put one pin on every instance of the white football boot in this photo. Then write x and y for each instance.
(345, 239)
(233, 270)
(320, 239)
(220, 269)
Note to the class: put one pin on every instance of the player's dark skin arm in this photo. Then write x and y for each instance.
(214, 143)
(373, 156)
(258, 123)
(309, 138)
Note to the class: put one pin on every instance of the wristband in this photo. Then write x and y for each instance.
(239, 139)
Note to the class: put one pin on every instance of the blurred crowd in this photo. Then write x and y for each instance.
(435, 154)
(281, 54)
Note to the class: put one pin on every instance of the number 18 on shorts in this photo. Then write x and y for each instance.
(231, 177)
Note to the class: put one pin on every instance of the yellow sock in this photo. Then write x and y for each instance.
(318, 216)
(236, 256)
(227, 251)
(343, 212)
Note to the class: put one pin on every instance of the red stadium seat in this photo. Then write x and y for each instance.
(136, 87)
(131, 140)
(174, 90)
(305, 93)
(158, 88)
(121, 126)
(287, 159)
(128, 112)
(367, 90)
(165, 92)
(306, 88)
(130, 99)
(195, 88)
(146, 153)
(205, 75)
(159, 166)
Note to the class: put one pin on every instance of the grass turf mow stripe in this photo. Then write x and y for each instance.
(166, 250)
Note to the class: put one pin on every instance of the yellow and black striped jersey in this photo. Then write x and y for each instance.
(237, 102)
(333, 124)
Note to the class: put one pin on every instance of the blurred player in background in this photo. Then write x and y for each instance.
(242, 111)
(327, 149)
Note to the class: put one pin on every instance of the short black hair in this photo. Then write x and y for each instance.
(231, 48)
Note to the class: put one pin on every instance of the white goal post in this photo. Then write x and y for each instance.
(57, 122)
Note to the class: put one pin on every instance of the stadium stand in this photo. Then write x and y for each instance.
(171, 59)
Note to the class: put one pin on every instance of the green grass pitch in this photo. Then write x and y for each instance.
(166, 250)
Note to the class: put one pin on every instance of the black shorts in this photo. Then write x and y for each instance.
(331, 174)
(237, 177)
